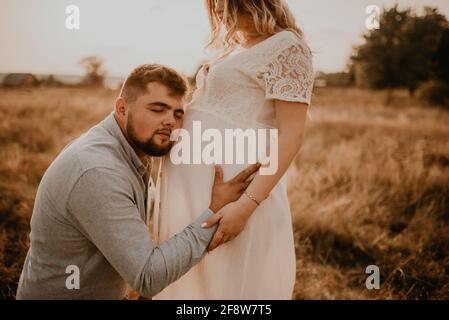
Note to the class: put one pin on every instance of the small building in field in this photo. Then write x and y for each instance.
(19, 80)
(320, 80)
(320, 83)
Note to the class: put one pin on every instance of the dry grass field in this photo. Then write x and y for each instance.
(370, 186)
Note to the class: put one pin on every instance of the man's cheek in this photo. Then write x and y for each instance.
(146, 128)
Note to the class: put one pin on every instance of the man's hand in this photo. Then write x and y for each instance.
(226, 192)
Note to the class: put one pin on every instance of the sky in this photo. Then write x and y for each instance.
(126, 33)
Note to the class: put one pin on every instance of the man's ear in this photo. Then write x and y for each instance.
(121, 107)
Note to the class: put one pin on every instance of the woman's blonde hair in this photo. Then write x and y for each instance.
(269, 17)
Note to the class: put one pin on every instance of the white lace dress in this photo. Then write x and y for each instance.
(238, 92)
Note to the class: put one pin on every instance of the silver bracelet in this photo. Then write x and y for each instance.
(250, 196)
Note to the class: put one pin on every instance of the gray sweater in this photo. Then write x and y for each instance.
(89, 215)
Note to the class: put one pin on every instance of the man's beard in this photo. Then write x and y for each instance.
(149, 147)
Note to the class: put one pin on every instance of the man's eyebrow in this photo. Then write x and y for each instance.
(161, 104)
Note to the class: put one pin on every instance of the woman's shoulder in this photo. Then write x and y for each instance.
(286, 40)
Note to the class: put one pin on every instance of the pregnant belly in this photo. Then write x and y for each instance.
(207, 139)
(187, 186)
(202, 144)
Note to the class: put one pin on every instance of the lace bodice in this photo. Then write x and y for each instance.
(242, 87)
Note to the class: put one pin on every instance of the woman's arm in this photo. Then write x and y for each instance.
(291, 118)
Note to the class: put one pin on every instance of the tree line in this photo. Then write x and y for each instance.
(407, 51)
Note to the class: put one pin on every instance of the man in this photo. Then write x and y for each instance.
(90, 210)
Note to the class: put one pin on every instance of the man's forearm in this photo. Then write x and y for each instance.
(174, 257)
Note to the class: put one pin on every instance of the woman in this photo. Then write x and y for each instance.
(263, 79)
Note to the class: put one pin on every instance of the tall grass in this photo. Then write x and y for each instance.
(370, 186)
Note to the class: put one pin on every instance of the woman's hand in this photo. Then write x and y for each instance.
(232, 220)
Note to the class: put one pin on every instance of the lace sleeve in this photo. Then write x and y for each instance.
(289, 76)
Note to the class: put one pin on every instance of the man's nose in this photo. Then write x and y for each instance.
(170, 120)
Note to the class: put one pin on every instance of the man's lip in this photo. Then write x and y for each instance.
(164, 133)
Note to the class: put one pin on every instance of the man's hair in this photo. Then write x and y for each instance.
(136, 82)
